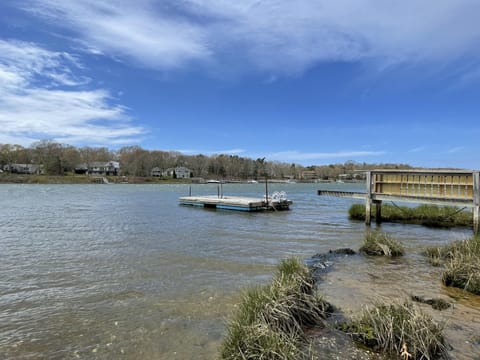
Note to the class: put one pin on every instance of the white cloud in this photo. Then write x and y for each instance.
(129, 29)
(39, 98)
(278, 36)
(212, 152)
(312, 156)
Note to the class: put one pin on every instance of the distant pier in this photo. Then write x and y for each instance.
(439, 187)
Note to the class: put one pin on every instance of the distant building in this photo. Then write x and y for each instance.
(309, 175)
(24, 169)
(344, 177)
(180, 172)
(156, 171)
(101, 168)
(81, 169)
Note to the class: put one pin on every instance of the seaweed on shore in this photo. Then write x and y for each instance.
(437, 304)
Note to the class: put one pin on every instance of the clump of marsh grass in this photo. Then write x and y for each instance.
(428, 215)
(271, 319)
(462, 270)
(435, 255)
(381, 244)
(399, 328)
(461, 261)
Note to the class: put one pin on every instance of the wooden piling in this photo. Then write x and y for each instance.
(378, 211)
(476, 201)
(368, 200)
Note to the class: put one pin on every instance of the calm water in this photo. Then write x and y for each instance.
(123, 272)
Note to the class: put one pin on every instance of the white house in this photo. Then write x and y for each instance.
(180, 172)
(102, 168)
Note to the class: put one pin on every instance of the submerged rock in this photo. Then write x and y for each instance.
(342, 251)
(321, 262)
(437, 304)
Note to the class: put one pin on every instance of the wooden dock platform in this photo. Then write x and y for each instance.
(237, 203)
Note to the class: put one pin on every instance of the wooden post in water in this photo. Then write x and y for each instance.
(378, 211)
(476, 201)
(266, 188)
(368, 199)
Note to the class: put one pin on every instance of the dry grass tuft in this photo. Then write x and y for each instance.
(461, 261)
(399, 328)
(381, 244)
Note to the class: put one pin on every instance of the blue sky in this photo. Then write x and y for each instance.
(308, 81)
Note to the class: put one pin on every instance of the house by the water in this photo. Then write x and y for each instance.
(99, 168)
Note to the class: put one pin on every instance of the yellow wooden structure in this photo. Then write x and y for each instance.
(441, 187)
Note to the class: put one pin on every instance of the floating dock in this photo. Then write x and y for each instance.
(237, 203)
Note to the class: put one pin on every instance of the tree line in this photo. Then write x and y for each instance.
(61, 159)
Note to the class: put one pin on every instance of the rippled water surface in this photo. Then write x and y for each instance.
(123, 271)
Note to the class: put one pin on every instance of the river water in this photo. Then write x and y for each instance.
(124, 272)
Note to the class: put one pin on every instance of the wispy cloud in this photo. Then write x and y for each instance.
(151, 35)
(40, 97)
(212, 152)
(280, 37)
(456, 149)
(314, 156)
(418, 149)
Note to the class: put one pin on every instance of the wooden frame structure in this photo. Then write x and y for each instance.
(441, 187)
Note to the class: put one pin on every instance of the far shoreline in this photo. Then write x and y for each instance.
(7, 178)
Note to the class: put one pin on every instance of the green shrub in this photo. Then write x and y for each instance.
(378, 244)
(396, 327)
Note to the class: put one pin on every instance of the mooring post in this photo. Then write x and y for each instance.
(476, 200)
(368, 199)
(378, 211)
(266, 188)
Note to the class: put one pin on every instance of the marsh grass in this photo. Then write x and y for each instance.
(271, 319)
(428, 215)
(395, 327)
(461, 261)
(381, 244)
(462, 268)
